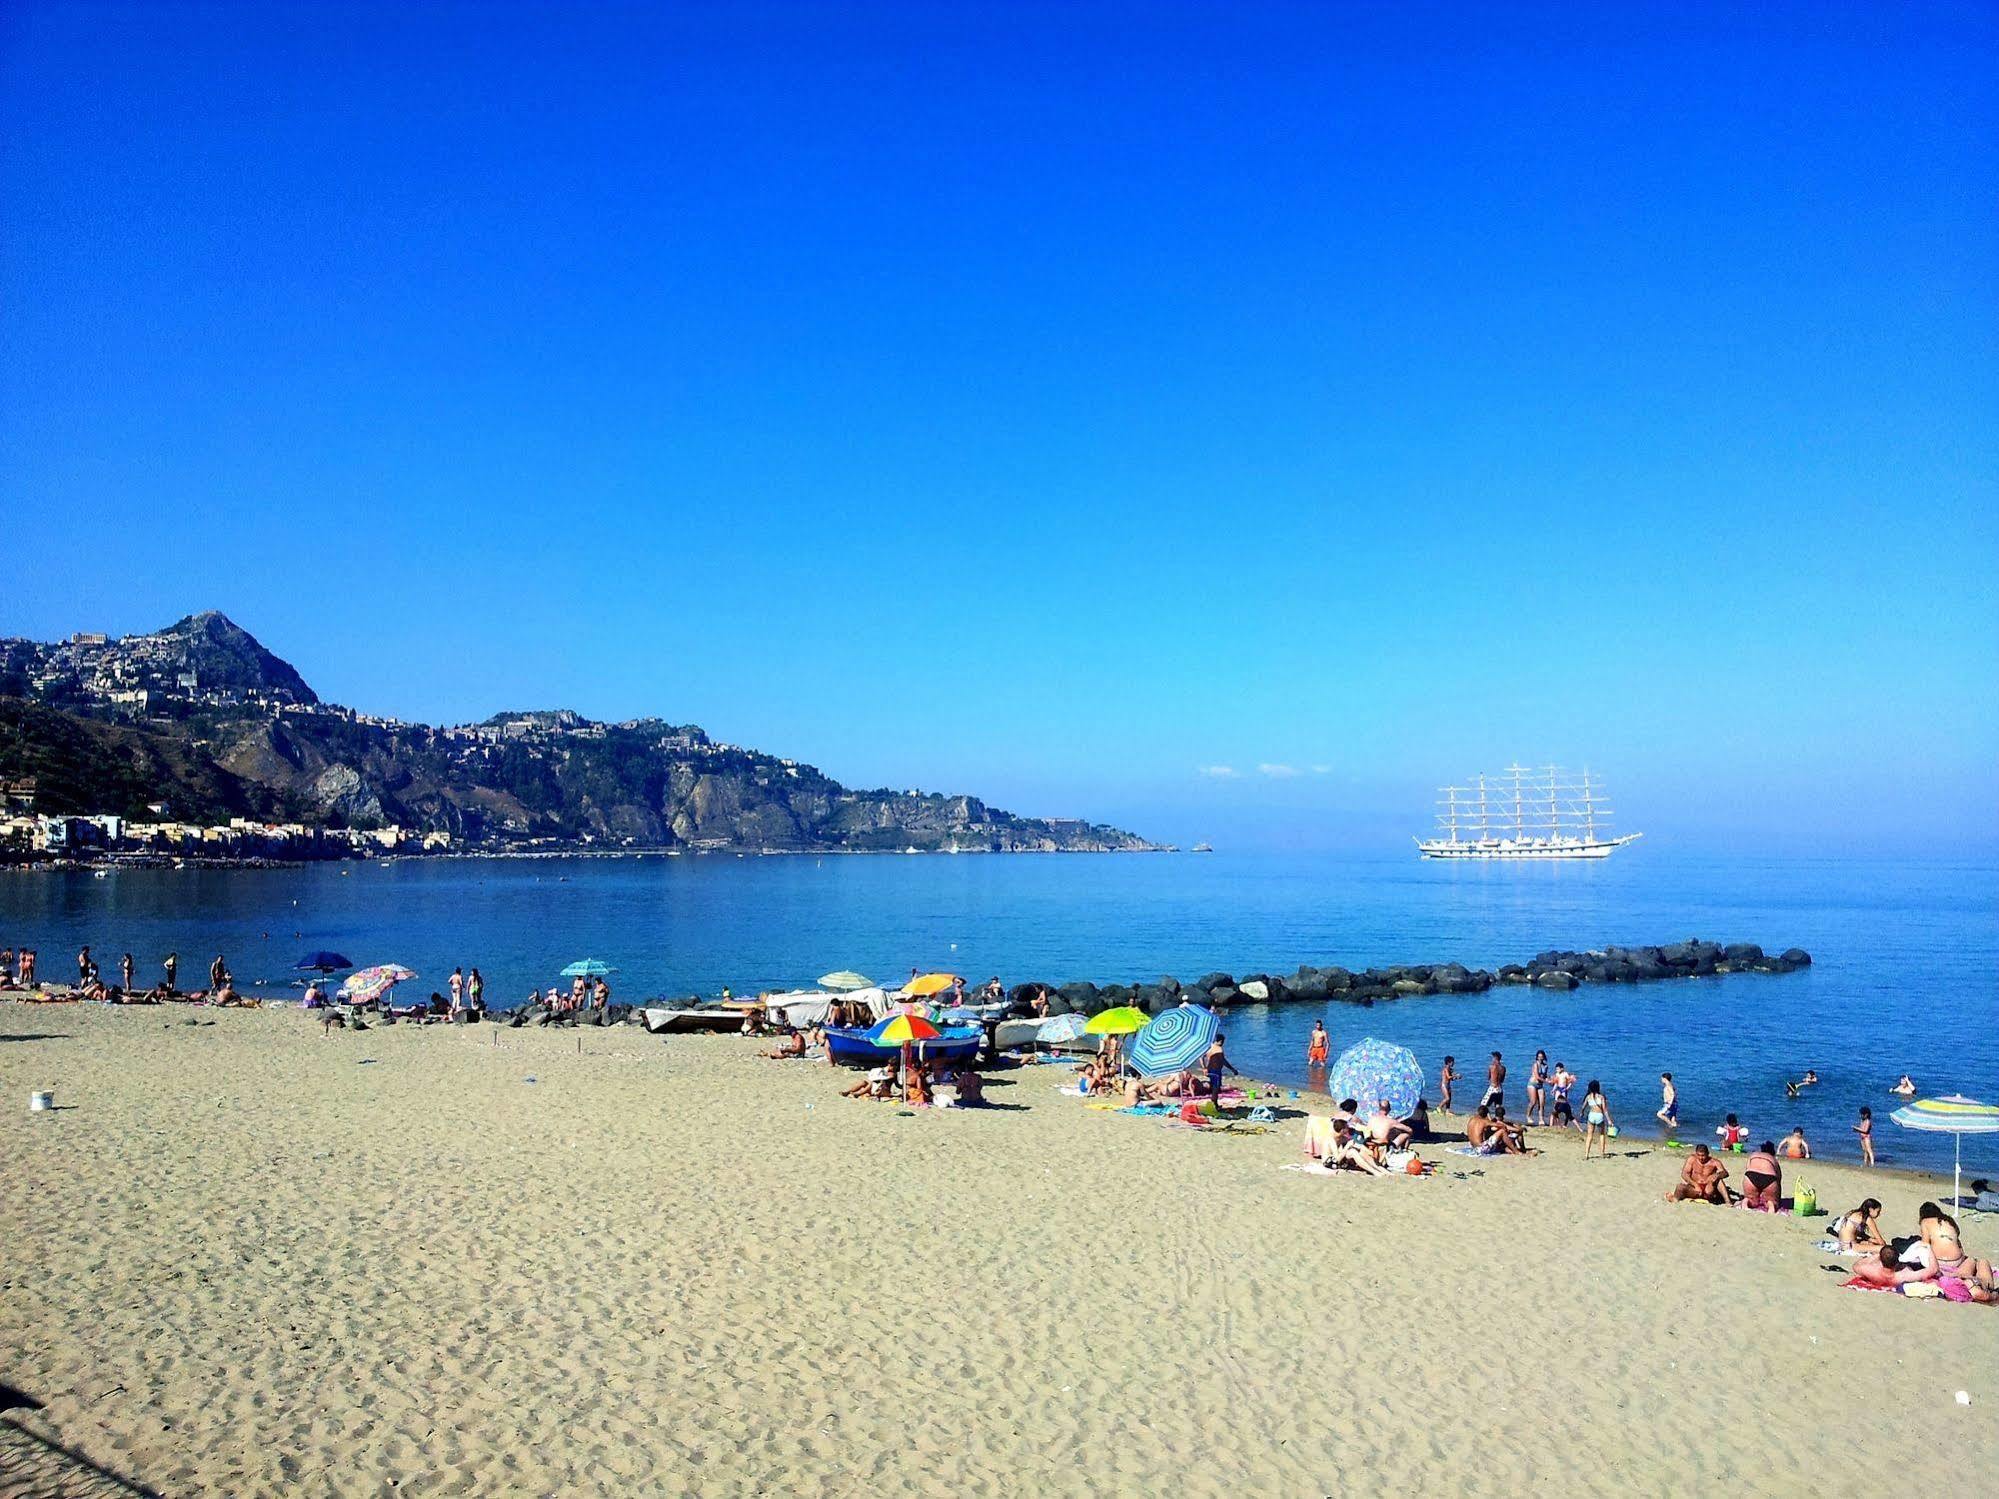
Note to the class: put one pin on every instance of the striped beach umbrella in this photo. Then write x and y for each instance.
(588, 968)
(903, 1030)
(1059, 1028)
(1172, 1041)
(846, 978)
(1953, 1115)
(1372, 1071)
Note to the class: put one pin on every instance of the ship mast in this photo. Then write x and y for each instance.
(1484, 815)
(1589, 808)
(1517, 771)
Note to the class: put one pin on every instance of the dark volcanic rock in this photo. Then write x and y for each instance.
(1214, 981)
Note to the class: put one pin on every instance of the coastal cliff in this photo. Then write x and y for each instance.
(201, 720)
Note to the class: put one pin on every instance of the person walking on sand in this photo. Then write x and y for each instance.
(475, 991)
(125, 967)
(172, 966)
(1865, 1129)
(1315, 1049)
(218, 974)
(1447, 1075)
(1495, 1082)
(1597, 1123)
(1669, 1105)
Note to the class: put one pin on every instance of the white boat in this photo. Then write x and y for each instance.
(1521, 814)
(661, 1020)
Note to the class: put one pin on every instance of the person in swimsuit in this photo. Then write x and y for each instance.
(1597, 1123)
(1315, 1050)
(1445, 1078)
(1701, 1179)
(1860, 1228)
(1795, 1146)
(1762, 1179)
(1495, 1082)
(1947, 1255)
(1669, 1105)
(1865, 1129)
(1559, 1084)
(1385, 1131)
(1489, 1135)
(1348, 1152)
(1218, 1065)
(1906, 1088)
(1537, 1089)
(1733, 1133)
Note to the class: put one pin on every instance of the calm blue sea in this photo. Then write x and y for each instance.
(1905, 975)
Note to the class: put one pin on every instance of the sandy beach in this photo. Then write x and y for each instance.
(243, 1257)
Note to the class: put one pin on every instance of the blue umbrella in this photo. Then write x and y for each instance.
(1370, 1071)
(322, 962)
(1060, 1028)
(587, 968)
(1173, 1041)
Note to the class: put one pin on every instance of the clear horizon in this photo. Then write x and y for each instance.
(1224, 424)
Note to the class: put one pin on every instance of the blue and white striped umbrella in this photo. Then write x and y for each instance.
(1370, 1071)
(1955, 1115)
(1060, 1028)
(1175, 1040)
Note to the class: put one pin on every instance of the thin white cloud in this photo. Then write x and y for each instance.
(1277, 772)
(1322, 770)
(1218, 772)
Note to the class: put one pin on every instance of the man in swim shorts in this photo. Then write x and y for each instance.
(1701, 1179)
(1495, 1082)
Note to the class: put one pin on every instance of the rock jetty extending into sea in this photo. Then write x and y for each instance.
(1556, 970)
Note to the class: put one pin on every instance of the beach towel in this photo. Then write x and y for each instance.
(1473, 1150)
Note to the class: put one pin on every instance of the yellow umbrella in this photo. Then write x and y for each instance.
(930, 983)
(1121, 1021)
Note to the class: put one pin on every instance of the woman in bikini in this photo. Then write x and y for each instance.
(1597, 1123)
(1446, 1077)
(1537, 1089)
(1939, 1231)
(1860, 1228)
(1762, 1179)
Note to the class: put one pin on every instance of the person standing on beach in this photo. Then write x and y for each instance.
(1537, 1089)
(86, 969)
(1315, 1050)
(1865, 1129)
(172, 966)
(27, 968)
(457, 986)
(475, 991)
(1597, 1123)
(218, 973)
(125, 967)
(1669, 1105)
(1495, 1082)
(1218, 1064)
(1447, 1075)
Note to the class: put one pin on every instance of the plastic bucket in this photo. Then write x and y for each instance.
(41, 1101)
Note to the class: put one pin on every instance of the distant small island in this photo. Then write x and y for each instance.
(195, 741)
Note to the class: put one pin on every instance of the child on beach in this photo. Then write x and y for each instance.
(1446, 1077)
(1559, 1084)
(1733, 1133)
(1597, 1123)
(1537, 1089)
(1315, 1051)
(1865, 1129)
(1669, 1105)
(1795, 1146)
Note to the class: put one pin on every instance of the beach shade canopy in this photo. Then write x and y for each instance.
(1060, 1028)
(930, 983)
(321, 962)
(588, 968)
(366, 984)
(900, 1030)
(1175, 1040)
(1121, 1021)
(846, 978)
(1951, 1115)
(1370, 1071)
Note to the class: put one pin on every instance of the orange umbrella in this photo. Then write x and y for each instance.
(930, 983)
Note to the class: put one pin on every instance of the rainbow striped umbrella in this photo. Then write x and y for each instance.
(1173, 1041)
(1953, 1115)
(365, 985)
(900, 1030)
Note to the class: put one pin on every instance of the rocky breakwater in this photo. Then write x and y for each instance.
(1555, 970)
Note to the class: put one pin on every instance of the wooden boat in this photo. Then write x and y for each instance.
(662, 1020)
(849, 1046)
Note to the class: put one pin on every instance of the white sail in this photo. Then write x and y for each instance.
(1524, 814)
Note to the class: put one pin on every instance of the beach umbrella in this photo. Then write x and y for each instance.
(1370, 1071)
(365, 985)
(930, 983)
(1953, 1115)
(588, 968)
(846, 978)
(1173, 1041)
(1121, 1021)
(1057, 1028)
(321, 962)
(901, 1030)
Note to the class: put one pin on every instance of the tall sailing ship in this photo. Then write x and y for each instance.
(1524, 814)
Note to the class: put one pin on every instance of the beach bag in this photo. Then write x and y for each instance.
(1805, 1203)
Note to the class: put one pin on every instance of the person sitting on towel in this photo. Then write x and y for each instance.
(1487, 1135)
(971, 1089)
(793, 1046)
(1384, 1131)
(1349, 1153)
(1701, 1179)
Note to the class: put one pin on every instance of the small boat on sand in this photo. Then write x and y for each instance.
(849, 1046)
(663, 1020)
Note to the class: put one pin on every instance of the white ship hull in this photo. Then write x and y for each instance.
(1524, 848)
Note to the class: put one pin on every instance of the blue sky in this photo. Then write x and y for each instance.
(1049, 402)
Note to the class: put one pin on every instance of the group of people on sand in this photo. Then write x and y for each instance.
(917, 1084)
(19, 973)
(582, 994)
(1934, 1255)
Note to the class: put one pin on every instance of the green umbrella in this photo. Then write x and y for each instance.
(1121, 1021)
(846, 978)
